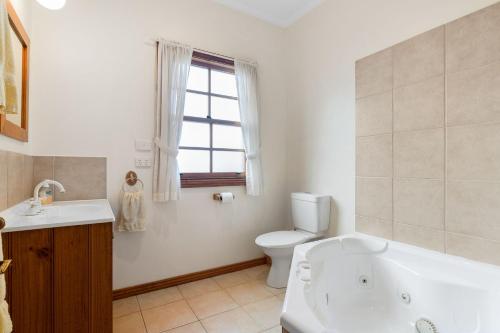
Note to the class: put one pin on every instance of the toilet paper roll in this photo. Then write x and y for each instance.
(227, 197)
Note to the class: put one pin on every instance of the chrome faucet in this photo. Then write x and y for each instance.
(35, 204)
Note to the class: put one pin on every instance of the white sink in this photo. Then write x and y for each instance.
(75, 210)
(58, 214)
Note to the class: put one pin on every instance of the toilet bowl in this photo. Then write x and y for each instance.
(279, 247)
(311, 217)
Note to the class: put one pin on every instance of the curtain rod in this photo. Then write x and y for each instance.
(250, 62)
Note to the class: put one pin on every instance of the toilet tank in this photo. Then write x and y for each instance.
(310, 212)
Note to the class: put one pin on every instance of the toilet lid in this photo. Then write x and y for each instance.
(282, 239)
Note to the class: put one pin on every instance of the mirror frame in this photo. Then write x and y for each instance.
(7, 127)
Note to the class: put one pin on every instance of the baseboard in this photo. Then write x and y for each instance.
(181, 279)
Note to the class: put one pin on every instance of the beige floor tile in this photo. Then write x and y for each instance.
(274, 291)
(131, 323)
(266, 313)
(207, 305)
(190, 328)
(168, 316)
(276, 329)
(281, 297)
(198, 288)
(234, 321)
(257, 272)
(159, 297)
(125, 306)
(231, 279)
(249, 292)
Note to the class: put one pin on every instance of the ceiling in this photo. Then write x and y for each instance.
(279, 12)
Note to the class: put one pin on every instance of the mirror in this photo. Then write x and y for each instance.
(16, 125)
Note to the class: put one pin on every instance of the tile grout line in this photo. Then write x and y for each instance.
(142, 316)
(174, 328)
(445, 157)
(203, 326)
(471, 67)
(393, 184)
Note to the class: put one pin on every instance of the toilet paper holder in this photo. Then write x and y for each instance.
(218, 197)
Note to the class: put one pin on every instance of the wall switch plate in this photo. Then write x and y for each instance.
(143, 145)
(143, 162)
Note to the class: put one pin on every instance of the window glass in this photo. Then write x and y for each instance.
(227, 137)
(209, 145)
(195, 135)
(196, 105)
(225, 109)
(198, 79)
(228, 161)
(223, 83)
(193, 161)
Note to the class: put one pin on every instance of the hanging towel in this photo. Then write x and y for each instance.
(8, 89)
(132, 212)
(5, 321)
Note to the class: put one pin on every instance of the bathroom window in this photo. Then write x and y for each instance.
(211, 149)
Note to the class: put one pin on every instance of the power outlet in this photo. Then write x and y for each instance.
(143, 145)
(143, 162)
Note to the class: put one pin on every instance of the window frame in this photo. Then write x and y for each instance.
(211, 179)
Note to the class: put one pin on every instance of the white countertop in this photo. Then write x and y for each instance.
(58, 214)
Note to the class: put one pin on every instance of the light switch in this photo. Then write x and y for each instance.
(143, 162)
(143, 145)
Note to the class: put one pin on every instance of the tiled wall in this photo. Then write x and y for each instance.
(82, 177)
(428, 139)
(16, 178)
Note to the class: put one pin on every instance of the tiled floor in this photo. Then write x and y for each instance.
(238, 302)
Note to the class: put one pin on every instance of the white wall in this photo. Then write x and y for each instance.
(93, 94)
(23, 10)
(92, 84)
(321, 49)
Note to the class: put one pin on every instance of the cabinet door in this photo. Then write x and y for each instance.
(7, 255)
(101, 249)
(71, 279)
(31, 281)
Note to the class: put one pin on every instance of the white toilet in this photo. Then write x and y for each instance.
(311, 217)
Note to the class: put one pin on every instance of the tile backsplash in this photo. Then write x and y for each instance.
(82, 177)
(428, 139)
(16, 178)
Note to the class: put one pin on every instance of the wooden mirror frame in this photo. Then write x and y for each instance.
(7, 127)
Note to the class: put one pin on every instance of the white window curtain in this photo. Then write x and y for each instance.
(246, 83)
(173, 63)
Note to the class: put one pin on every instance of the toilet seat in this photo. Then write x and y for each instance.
(283, 239)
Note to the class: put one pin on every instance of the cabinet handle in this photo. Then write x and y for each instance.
(4, 265)
(2, 223)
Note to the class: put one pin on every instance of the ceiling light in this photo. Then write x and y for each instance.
(52, 4)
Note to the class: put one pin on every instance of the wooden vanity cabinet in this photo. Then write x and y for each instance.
(60, 279)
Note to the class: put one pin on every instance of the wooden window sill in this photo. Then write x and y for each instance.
(212, 180)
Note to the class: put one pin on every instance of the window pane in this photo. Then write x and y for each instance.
(195, 135)
(225, 109)
(227, 137)
(196, 105)
(223, 83)
(228, 161)
(193, 160)
(198, 79)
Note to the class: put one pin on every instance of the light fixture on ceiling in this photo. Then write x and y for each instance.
(52, 4)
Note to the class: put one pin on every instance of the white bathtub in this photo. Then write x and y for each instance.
(362, 284)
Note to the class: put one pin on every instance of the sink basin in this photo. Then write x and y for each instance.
(58, 214)
(76, 210)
